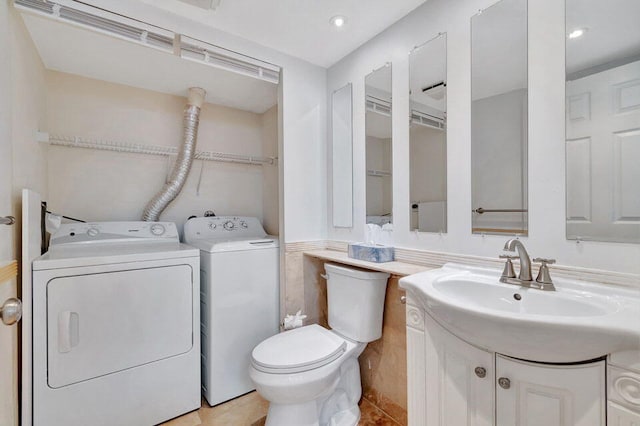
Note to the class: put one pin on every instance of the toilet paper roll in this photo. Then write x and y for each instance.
(294, 321)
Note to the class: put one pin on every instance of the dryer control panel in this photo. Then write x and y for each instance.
(220, 227)
(120, 232)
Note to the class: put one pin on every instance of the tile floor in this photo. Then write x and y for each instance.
(251, 410)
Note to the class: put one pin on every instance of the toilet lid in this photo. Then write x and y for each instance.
(298, 350)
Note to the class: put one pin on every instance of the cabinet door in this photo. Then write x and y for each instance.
(531, 394)
(460, 377)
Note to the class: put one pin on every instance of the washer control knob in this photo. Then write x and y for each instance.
(229, 225)
(244, 224)
(157, 229)
(212, 225)
(93, 232)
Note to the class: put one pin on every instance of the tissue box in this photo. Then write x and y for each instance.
(371, 252)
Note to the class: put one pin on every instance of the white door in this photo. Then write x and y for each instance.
(460, 380)
(8, 334)
(529, 394)
(603, 151)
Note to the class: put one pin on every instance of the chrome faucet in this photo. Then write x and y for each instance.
(542, 282)
(525, 260)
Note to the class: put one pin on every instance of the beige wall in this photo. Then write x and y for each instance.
(101, 185)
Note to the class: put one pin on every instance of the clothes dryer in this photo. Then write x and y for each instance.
(116, 321)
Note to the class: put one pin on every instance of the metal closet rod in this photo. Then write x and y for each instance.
(481, 210)
(166, 151)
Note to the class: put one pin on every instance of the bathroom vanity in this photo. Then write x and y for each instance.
(506, 355)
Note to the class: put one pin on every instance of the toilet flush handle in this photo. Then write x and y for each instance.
(325, 276)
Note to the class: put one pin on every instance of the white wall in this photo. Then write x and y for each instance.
(270, 190)
(301, 119)
(546, 135)
(100, 185)
(27, 114)
(7, 248)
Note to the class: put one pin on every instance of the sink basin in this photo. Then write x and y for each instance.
(577, 322)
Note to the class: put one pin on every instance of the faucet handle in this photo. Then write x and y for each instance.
(508, 271)
(508, 256)
(543, 274)
(544, 261)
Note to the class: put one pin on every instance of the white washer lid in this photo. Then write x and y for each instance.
(298, 350)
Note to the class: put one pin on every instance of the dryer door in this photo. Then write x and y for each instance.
(99, 324)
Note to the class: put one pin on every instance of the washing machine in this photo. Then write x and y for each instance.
(116, 320)
(239, 299)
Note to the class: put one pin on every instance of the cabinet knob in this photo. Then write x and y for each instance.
(403, 299)
(504, 383)
(481, 372)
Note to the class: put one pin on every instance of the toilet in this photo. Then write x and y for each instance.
(310, 375)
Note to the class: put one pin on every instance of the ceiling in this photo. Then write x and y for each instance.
(499, 49)
(613, 33)
(499, 42)
(299, 28)
(427, 67)
(76, 50)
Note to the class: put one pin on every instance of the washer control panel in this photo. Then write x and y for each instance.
(96, 232)
(223, 227)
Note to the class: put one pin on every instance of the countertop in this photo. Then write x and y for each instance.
(394, 268)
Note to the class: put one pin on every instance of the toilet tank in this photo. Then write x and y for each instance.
(355, 299)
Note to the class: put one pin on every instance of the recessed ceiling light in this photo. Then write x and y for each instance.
(578, 32)
(338, 21)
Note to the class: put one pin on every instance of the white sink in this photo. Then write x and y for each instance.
(579, 321)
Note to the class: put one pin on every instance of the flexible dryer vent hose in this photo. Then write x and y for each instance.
(181, 169)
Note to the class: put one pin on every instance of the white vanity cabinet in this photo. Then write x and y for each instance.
(551, 395)
(450, 382)
(453, 383)
(459, 380)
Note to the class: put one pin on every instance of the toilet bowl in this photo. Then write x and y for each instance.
(310, 375)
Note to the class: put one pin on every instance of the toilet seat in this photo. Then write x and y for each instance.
(298, 350)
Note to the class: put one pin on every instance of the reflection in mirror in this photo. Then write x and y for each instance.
(603, 120)
(428, 136)
(499, 118)
(378, 149)
(342, 164)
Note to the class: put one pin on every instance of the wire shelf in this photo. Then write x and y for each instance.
(165, 151)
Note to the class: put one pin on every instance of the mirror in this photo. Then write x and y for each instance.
(499, 119)
(378, 146)
(603, 120)
(342, 158)
(428, 136)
